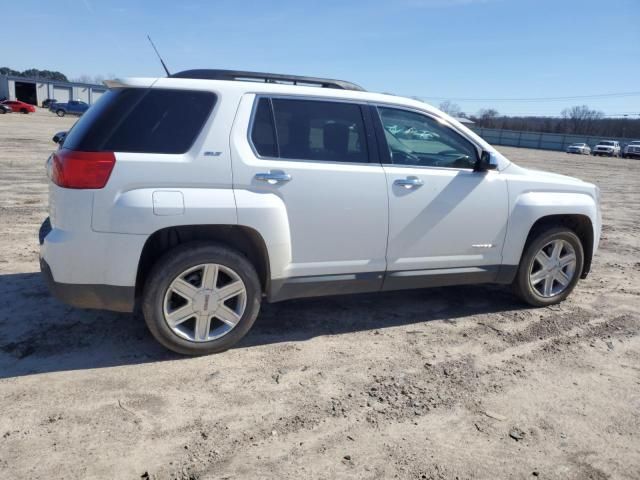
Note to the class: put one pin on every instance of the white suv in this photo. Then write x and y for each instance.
(199, 195)
(632, 150)
(610, 148)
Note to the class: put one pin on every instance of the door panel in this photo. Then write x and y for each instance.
(337, 212)
(456, 218)
(442, 214)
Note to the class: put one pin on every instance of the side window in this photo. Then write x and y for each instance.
(416, 139)
(312, 130)
(263, 133)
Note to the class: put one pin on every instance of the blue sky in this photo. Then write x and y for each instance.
(435, 49)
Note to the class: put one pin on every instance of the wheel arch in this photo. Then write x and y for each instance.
(579, 224)
(241, 238)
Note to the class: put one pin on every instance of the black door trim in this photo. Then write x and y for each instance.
(323, 285)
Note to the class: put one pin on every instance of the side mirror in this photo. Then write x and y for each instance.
(485, 162)
(59, 137)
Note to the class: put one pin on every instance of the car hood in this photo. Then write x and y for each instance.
(542, 176)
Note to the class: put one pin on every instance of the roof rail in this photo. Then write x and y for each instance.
(206, 74)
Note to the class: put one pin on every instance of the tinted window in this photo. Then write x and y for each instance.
(317, 130)
(142, 120)
(263, 133)
(416, 139)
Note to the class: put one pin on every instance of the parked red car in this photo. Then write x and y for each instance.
(18, 106)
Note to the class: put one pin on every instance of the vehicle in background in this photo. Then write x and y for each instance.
(147, 208)
(632, 150)
(610, 148)
(581, 148)
(72, 107)
(424, 135)
(5, 109)
(47, 103)
(18, 106)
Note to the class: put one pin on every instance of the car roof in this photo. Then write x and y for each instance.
(242, 87)
(239, 88)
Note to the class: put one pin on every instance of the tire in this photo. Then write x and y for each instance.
(179, 264)
(25, 111)
(60, 113)
(531, 292)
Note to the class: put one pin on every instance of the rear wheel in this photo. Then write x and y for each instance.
(60, 113)
(550, 267)
(201, 298)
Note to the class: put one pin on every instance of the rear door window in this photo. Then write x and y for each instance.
(142, 121)
(310, 130)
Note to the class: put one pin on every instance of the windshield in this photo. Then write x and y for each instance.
(635, 143)
(606, 143)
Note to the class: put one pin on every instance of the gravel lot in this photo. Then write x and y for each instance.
(460, 382)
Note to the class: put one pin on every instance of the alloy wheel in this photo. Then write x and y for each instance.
(205, 302)
(553, 268)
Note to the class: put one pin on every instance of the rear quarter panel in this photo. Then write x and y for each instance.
(203, 182)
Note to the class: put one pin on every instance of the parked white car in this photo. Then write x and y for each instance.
(610, 148)
(632, 150)
(181, 196)
(581, 148)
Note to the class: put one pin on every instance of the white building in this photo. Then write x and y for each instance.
(36, 90)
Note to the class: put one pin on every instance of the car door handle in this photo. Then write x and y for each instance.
(409, 182)
(273, 177)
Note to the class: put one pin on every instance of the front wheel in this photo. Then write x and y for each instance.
(201, 298)
(550, 267)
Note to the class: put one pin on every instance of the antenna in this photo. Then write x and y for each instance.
(157, 53)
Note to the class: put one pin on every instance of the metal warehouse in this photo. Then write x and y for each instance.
(37, 90)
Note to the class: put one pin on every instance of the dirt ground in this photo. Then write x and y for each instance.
(449, 383)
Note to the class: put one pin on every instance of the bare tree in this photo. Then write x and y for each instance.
(97, 79)
(580, 119)
(451, 108)
(486, 117)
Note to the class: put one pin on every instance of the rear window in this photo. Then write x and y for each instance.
(142, 121)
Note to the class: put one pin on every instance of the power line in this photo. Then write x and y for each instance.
(536, 99)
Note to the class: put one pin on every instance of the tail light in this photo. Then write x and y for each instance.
(72, 169)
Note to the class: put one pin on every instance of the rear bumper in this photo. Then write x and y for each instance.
(103, 297)
(90, 270)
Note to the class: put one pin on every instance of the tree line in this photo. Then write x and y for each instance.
(54, 75)
(577, 120)
(35, 73)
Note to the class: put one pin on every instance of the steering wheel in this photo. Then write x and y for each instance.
(404, 158)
